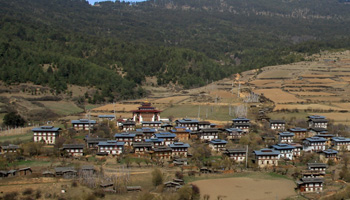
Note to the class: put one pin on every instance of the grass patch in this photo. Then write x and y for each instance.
(22, 137)
(218, 113)
(30, 163)
(254, 175)
(61, 107)
(288, 116)
(91, 106)
(2, 117)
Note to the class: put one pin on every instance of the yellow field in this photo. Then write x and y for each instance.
(306, 106)
(175, 99)
(275, 74)
(279, 96)
(313, 93)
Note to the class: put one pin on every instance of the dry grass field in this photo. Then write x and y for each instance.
(279, 96)
(171, 100)
(242, 188)
(275, 74)
(313, 93)
(307, 107)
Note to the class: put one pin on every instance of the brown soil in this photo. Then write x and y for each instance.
(246, 188)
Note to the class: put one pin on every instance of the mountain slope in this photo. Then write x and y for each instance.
(114, 46)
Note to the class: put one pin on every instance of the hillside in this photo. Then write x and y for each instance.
(116, 46)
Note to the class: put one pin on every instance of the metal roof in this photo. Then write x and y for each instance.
(218, 141)
(298, 129)
(341, 139)
(266, 152)
(149, 122)
(165, 135)
(330, 151)
(111, 143)
(154, 140)
(46, 128)
(179, 144)
(283, 146)
(187, 121)
(73, 146)
(83, 121)
(124, 135)
(286, 134)
(316, 139)
(106, 116)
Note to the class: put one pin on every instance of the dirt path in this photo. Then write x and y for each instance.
(246, 188)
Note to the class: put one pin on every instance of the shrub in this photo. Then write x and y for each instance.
(157, 177)
(11, 196)
(99, 193)
(28, 191)
(179, 175)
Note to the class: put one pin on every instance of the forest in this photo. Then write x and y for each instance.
(114, 46)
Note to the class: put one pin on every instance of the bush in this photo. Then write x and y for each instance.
(99, 193)
(11, 196)
(157, 177)
(38, 194)
(28, 191)
(179, 175)
(74, 184)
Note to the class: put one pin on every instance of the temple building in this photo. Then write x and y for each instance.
(146, 113)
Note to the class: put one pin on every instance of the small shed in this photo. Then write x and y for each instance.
(133, 188)
(3, 174)
(25, 171)
(171, 186)
(48, 174)
(12, 172)
(205, 170)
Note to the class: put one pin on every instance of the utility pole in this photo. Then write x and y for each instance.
(89, 122)
(199, 111)
(246, 158)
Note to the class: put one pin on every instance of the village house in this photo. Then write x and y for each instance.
(318, 167)
(74, 150)
(310, 184)
(111, 147)
(139, 135)
(146, 113)
(147, 133)
(286, 151)
(269, 139)
(217, 144)
(234, 134)
(314, 144)
(182, 133)
(241, 123)
(162, 153)
(66, 172)
(83, 124)
(191, 124)
(128, 125)
(329, 154)
(106, 117)
(128, 138)
(168, 137)
(299, 133)
(328, 138)
(167, 127)
(238, 155)
(46, 134)
(92, 143)
(179, 149)
(286, 137)
(156, 142)
(317, 131)
(140, 148)
(297, 149)
(152, 124)
(312, 174)
(277, 125)
(11, 148)
(317, 121)
(87, 170)
(203, 125)
(341, 143)
(266, 157)
(208, 134)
